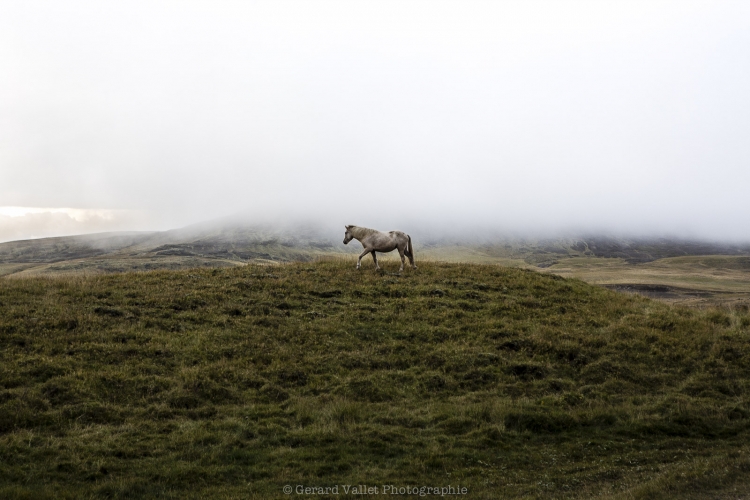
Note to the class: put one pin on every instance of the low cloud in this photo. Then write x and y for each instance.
(440, 117)
(40, 224)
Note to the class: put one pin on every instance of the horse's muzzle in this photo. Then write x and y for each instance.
(345, 242)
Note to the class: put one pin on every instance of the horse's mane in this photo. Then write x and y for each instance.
(361, 232)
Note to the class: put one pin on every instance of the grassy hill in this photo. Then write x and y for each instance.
(688, 272)
(233, 382)
(227, 243)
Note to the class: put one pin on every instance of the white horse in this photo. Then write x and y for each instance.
(374, 240)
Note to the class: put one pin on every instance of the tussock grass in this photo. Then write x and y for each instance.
(231, 383)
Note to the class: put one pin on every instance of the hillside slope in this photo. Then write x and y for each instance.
(228, 242)
(677, 271)
(202, 245)
(228, 383)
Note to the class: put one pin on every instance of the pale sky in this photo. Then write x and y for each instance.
(629, 117)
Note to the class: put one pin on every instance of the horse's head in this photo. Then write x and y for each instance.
(348, 236)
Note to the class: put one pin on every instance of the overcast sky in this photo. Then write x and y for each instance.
(630, 117)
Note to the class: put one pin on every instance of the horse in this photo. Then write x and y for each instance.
(374, 240)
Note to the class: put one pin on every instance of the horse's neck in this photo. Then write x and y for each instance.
(361, 232)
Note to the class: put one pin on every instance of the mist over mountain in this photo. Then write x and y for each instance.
(436, 118)
(235, 241)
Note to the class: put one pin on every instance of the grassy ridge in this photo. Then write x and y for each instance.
(234, 382)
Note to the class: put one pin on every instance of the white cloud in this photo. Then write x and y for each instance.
(20, 223)
(542, 115)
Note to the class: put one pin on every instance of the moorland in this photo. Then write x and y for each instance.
(231, 382)
(696, 273)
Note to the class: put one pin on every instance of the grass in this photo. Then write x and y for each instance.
(697, 280)
(701, 274)
(706, 272)
(230, 383)
(109, 264)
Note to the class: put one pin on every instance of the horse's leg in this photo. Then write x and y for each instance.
(359, 261)
(401, 253)
(375, 258)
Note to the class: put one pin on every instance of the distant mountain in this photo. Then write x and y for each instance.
(228, 243)
(48, 250)
(647, 250)
(547, 252)
(192, 246)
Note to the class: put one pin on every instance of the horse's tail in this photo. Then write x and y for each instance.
(409, 247)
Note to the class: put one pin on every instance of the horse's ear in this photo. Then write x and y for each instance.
(348, 227)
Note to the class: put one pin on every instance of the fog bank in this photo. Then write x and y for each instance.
(540, 118)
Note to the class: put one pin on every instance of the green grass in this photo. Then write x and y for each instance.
(230, 383)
